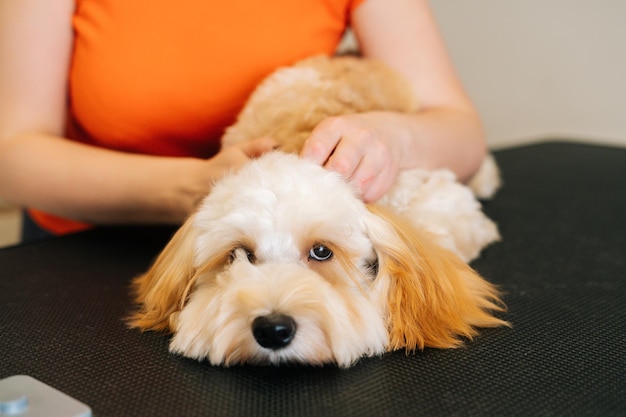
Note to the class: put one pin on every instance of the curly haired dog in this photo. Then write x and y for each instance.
(282, 262)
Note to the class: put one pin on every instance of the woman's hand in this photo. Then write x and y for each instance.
(228, 160)
(231, 158)
(367, 148)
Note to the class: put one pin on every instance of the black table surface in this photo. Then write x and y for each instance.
(562, 265)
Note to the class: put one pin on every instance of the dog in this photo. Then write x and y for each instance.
(284, 263)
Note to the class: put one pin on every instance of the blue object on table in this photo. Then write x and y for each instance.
(24, 396)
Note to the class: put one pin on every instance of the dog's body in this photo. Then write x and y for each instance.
(291, 102)
(284, 263)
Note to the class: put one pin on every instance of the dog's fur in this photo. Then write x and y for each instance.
(289, 242)
(291, 102)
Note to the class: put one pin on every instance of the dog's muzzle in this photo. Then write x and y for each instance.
(274, 331)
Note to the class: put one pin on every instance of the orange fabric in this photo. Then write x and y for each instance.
(165, 78)
(56, 225)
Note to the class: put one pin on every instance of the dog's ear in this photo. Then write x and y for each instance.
(434, 299)
(161, 291)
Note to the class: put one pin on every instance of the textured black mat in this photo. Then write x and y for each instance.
(562, 264)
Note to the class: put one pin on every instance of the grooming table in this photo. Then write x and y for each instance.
(561, 264)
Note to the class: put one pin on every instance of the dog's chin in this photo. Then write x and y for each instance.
(333, 324)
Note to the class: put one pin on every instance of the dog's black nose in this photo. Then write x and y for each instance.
(274, 331)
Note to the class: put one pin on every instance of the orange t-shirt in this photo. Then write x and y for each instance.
(166, 78)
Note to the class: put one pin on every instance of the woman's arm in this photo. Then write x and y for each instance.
(39, 168)
(106, 187)
(372, 147)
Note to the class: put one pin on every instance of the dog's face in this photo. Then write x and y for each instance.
(283, 263)
(292, 274)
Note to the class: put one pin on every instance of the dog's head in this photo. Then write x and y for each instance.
(284, 263)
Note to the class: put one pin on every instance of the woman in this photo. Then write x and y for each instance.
(111, 111)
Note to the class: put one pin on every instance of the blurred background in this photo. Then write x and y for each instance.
(541, 69)
(536, 70)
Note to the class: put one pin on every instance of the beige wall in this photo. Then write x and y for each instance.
(10, 226)
(541, 68)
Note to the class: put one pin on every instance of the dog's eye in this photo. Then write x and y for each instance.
(320, 253)
(241, 251)
(371, 266)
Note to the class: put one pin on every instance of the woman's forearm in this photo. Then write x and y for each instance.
(445, 138)
(96, 185)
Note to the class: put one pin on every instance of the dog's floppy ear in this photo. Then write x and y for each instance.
(434, 299)
(161, 291)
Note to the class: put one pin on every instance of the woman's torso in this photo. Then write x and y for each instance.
(166, 78)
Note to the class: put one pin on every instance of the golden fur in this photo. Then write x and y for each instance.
(434, 298)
